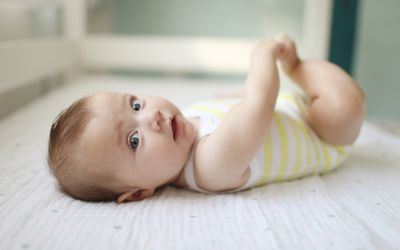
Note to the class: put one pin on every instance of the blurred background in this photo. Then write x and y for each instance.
(363, 36)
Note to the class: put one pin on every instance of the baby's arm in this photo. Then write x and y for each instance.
(222, 158)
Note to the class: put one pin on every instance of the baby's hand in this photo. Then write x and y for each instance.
(268, 46)
(265, 50)
(287, 56)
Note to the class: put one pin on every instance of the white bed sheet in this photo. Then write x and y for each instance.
(355, 207)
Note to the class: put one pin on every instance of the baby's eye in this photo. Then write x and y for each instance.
(136, 105)
(134, 141)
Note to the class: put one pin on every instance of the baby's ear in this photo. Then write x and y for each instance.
(135, 195)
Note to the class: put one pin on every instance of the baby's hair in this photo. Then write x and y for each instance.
(66, 163)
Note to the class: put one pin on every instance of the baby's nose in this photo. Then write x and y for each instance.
(153, 119)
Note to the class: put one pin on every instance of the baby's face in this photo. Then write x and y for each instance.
(143, 140)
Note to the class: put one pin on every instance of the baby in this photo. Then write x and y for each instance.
(118, 146)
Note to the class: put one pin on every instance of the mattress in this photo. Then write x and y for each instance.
(357, 206)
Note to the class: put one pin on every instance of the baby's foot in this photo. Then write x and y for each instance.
(287, 56)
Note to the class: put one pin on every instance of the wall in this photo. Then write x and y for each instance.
(377, 57)
(24, 19)
(226, 18)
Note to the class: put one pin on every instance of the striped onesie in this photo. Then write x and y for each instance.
(290, 150)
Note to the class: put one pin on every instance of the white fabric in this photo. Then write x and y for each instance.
(357, 206)
(290, 138)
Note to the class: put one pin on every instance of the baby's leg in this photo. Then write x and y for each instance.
(336, 105)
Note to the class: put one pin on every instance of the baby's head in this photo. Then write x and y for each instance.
(115, 146)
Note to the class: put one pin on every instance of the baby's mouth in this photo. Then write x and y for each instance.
(173, 126)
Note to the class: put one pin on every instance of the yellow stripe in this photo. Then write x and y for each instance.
(307, 140)
(326, 156)
(295, 99)
(314, 146)
(267, 156)
(284, 149)
(314, 167)
(216, 112)
(289, 98)
(341, 151)
(297, 162)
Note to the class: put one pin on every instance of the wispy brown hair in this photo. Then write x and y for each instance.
(65, 161)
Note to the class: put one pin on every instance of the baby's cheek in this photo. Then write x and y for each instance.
(166, 154)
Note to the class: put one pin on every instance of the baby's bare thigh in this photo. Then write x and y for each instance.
(337, 117)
